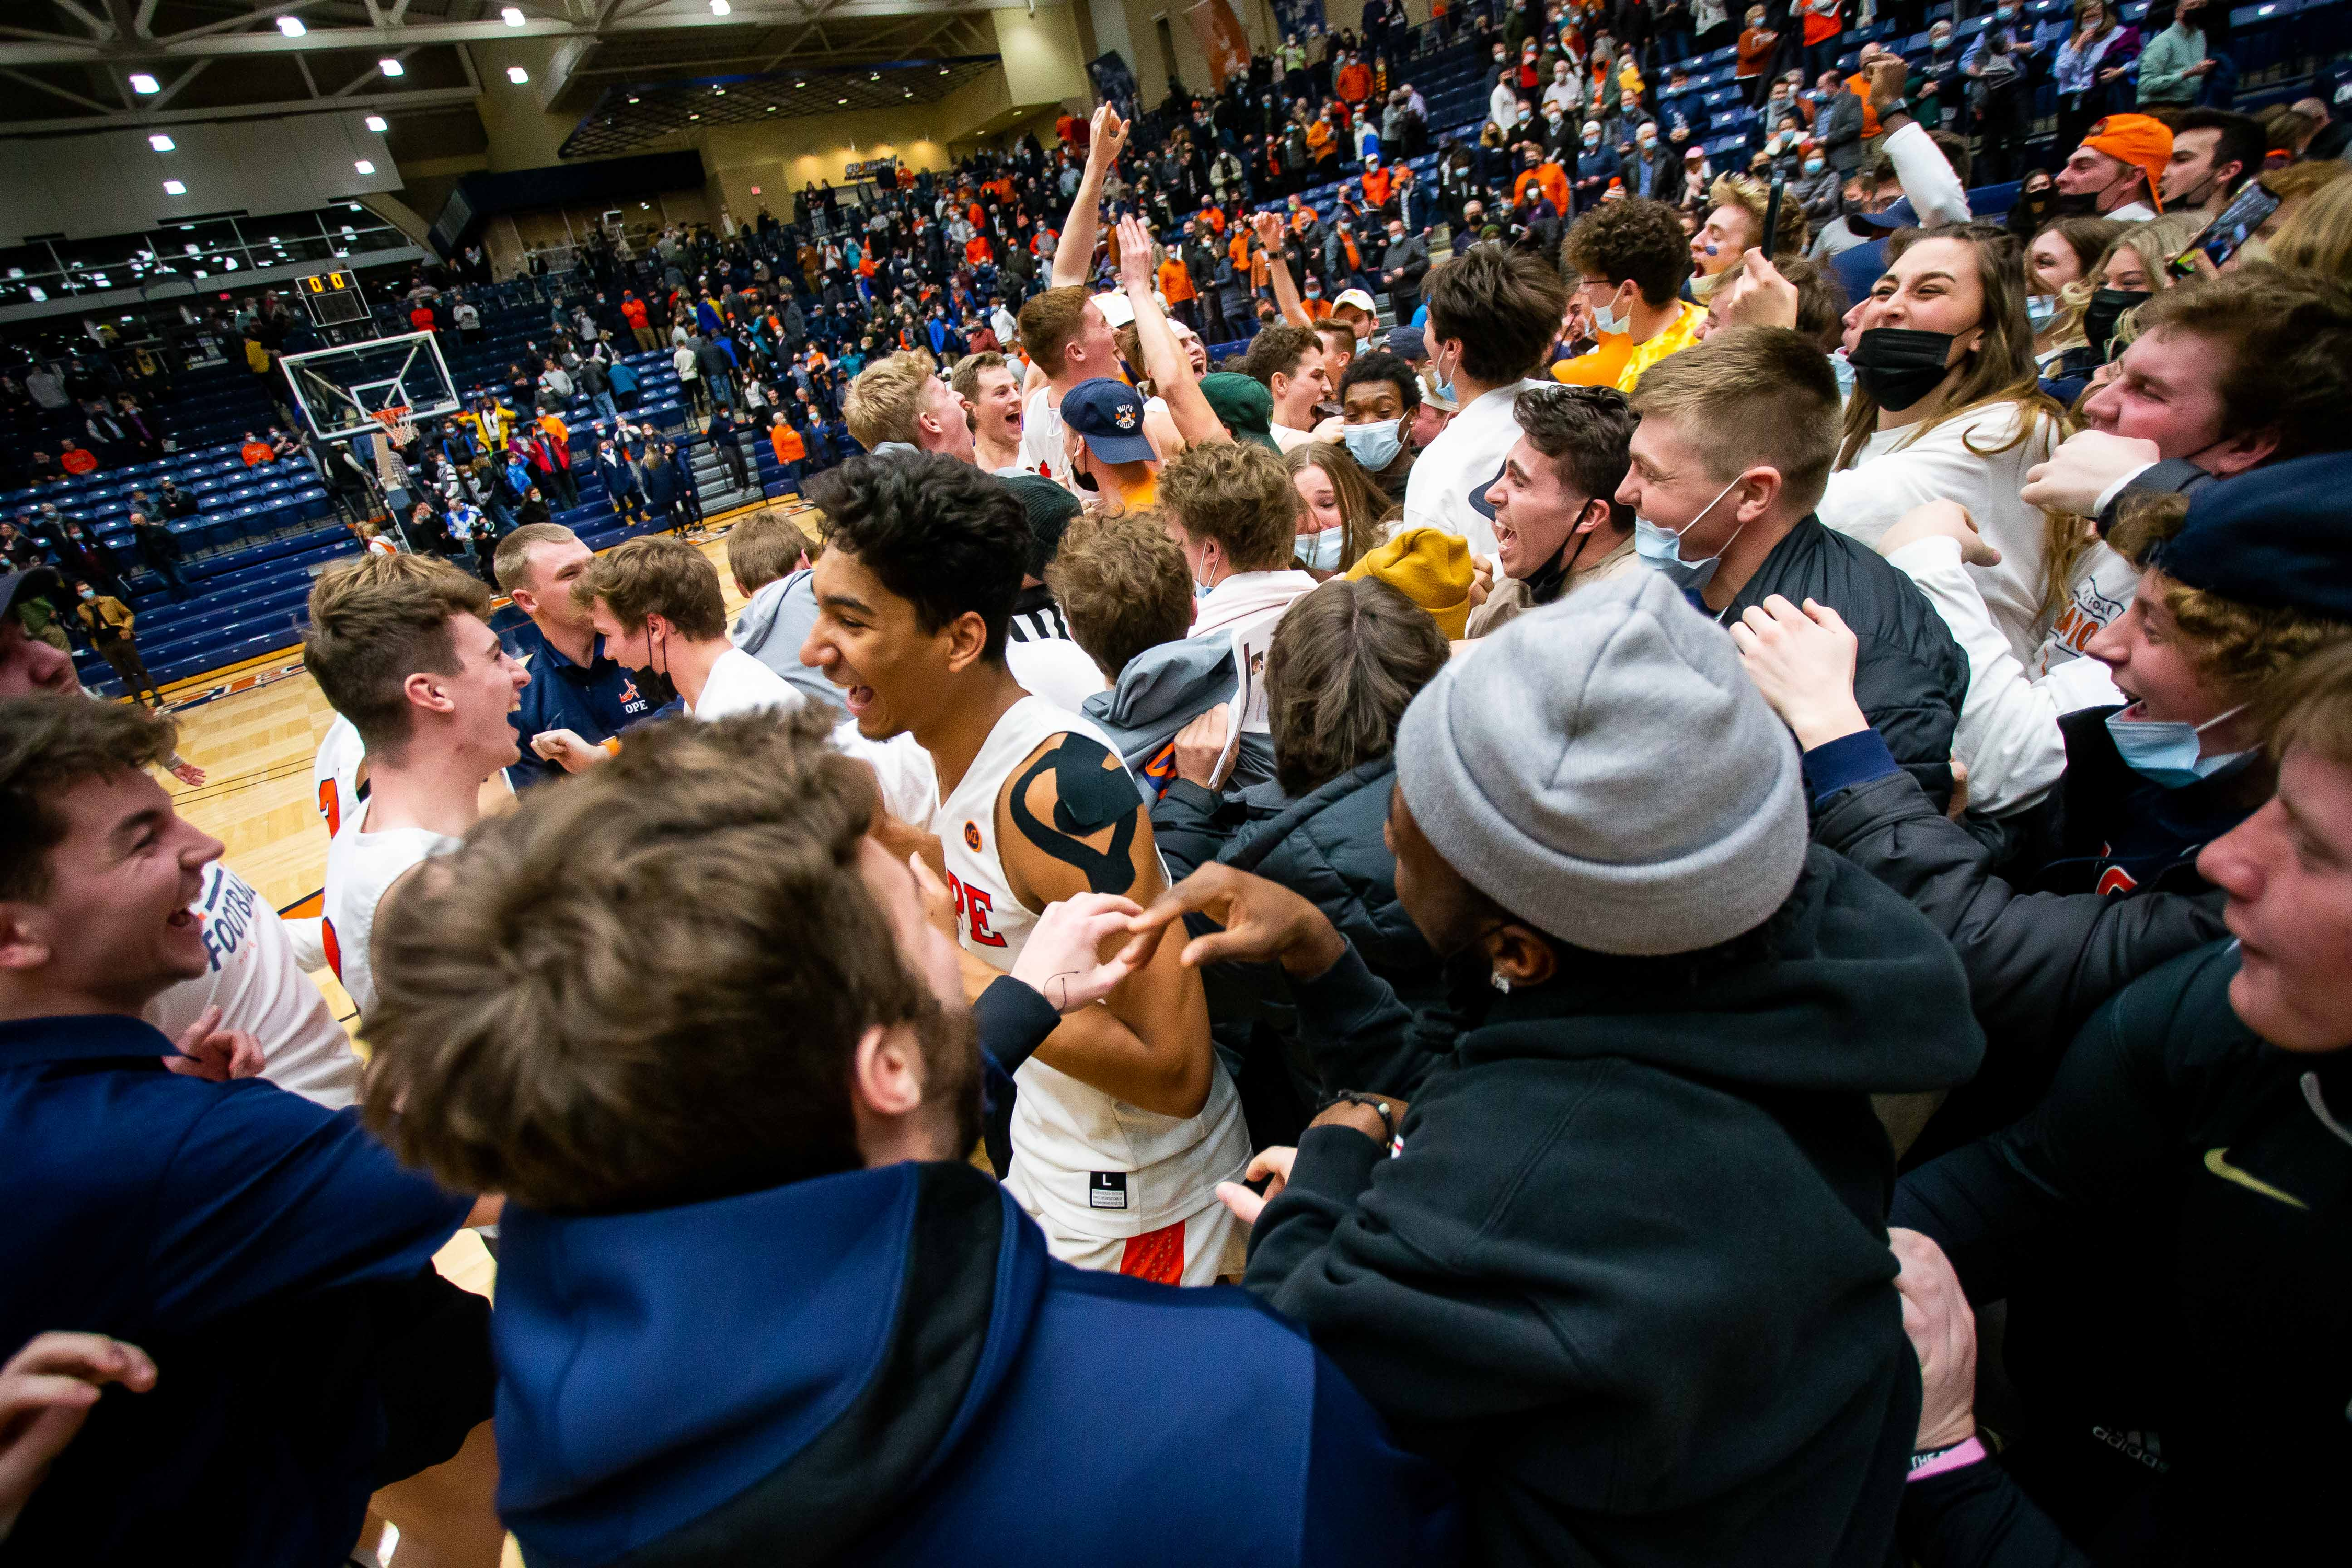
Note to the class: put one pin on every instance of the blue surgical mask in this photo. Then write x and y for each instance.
(2040, 308)
(1324, 551)
(1445, 388)
(2164, 750)
(1203, 590)
(1605, 319)
(1661, 548)
(1814, 166)
(1374, 446)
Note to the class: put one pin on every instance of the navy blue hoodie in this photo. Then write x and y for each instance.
(884, 1366)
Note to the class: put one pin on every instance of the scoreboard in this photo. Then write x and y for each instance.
(334, 298)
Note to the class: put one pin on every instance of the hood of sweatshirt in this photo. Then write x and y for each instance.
(1161, 690)
(1859, 994)
(787, 1365)
(757, 623)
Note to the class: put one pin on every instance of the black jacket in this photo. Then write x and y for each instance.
(2169, 1228)
(1628, 1278)
(1909, 676)
(1326, 846)
(2112, 892)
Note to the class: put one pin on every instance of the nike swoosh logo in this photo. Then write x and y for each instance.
(2217, 1161)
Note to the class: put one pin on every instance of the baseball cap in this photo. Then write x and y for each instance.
(30, 583)
(1109, 415)
(1408, 344)
(2141, 140)
(2273, 536)
(1243, 405)
(1359, 298)
(1899, 215)
(1114, 308)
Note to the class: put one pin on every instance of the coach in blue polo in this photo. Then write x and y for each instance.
(269, 1255)
(578, 696)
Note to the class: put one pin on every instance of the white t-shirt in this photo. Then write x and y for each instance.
(359, 868)
(1041, 438)
(1464, 460)
(253, 975)
(2131, 212)
(740, 683)
(1892, 474)
(1289, 440)
(1057, 669)
(1095, 1167)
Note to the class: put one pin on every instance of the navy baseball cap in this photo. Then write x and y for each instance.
(2274, 537)
(1407, 343)
(1898, 215)
(1110, 414)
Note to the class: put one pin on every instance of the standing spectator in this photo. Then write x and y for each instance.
(620, 477)
(1757, 44)
(2089, 68)
(107, 621)
(2175, 64)
(1824, 27)
(725, 438)
(1404, 265)
(160, 551)
(468, 317)
(684, 486)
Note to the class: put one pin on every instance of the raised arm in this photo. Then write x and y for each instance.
(1268, 228)
(1164, 361)
(1074, 256)
(1061, 831)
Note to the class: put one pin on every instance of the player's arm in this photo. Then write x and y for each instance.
(1070, 822)
(1074, 258)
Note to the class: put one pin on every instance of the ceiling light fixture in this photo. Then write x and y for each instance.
(632, 98)
(390, 66)
(772, 109)
(719, 7)
(291, 27)
(161, 143)
(364, 167)
(173, 188)
(142, 83)
(517, 75)
(512, 16)
(841, 100)
(694, 117)
(377, 123)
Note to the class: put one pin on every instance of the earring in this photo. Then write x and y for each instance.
(1499, 981)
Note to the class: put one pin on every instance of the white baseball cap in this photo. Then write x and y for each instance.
(1114, 308)
(1358, 298)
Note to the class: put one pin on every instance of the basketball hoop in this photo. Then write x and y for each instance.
(394, 421)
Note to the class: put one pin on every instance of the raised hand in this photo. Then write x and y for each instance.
(1803, 661)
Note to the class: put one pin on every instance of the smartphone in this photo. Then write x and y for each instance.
(2247, 211)
(1772, 215)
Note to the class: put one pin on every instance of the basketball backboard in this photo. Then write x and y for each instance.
(342, 391)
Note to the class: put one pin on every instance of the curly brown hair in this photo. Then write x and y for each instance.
(1240, 495)
(1637, 238)
(1122, 584)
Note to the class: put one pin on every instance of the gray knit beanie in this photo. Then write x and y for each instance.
(1604, 769)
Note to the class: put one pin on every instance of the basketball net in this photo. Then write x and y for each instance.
(394, 421)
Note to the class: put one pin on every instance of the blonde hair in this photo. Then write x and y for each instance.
(1754, 198)
(2318, 237)
(885, 400)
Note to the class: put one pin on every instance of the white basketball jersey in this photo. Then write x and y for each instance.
(1096, 1165)
(360, 867)
(335, 773)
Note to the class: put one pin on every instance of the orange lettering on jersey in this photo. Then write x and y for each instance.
(331, 807)
(334, 948)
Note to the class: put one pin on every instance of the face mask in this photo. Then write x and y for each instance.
(1374, 446)
(2164, 751)
(1814, 166)
(1939, 41)
(2100, 315)
(1844, 373)
(1705, 284)
(1323, 555)
(1899, 366)
(1608, 320)
(2040, 308)
(1444, 387)
(1661, 548)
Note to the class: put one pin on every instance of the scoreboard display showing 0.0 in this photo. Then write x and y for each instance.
(334, 298)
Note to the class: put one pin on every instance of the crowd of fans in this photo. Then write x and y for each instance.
(1715, 868)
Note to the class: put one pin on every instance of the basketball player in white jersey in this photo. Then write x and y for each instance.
(1125, 1121)
(400, 646)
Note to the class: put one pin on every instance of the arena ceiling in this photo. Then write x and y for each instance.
(78, 65)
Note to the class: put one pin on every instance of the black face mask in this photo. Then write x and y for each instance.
(2100, 315)
(1896, 366)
